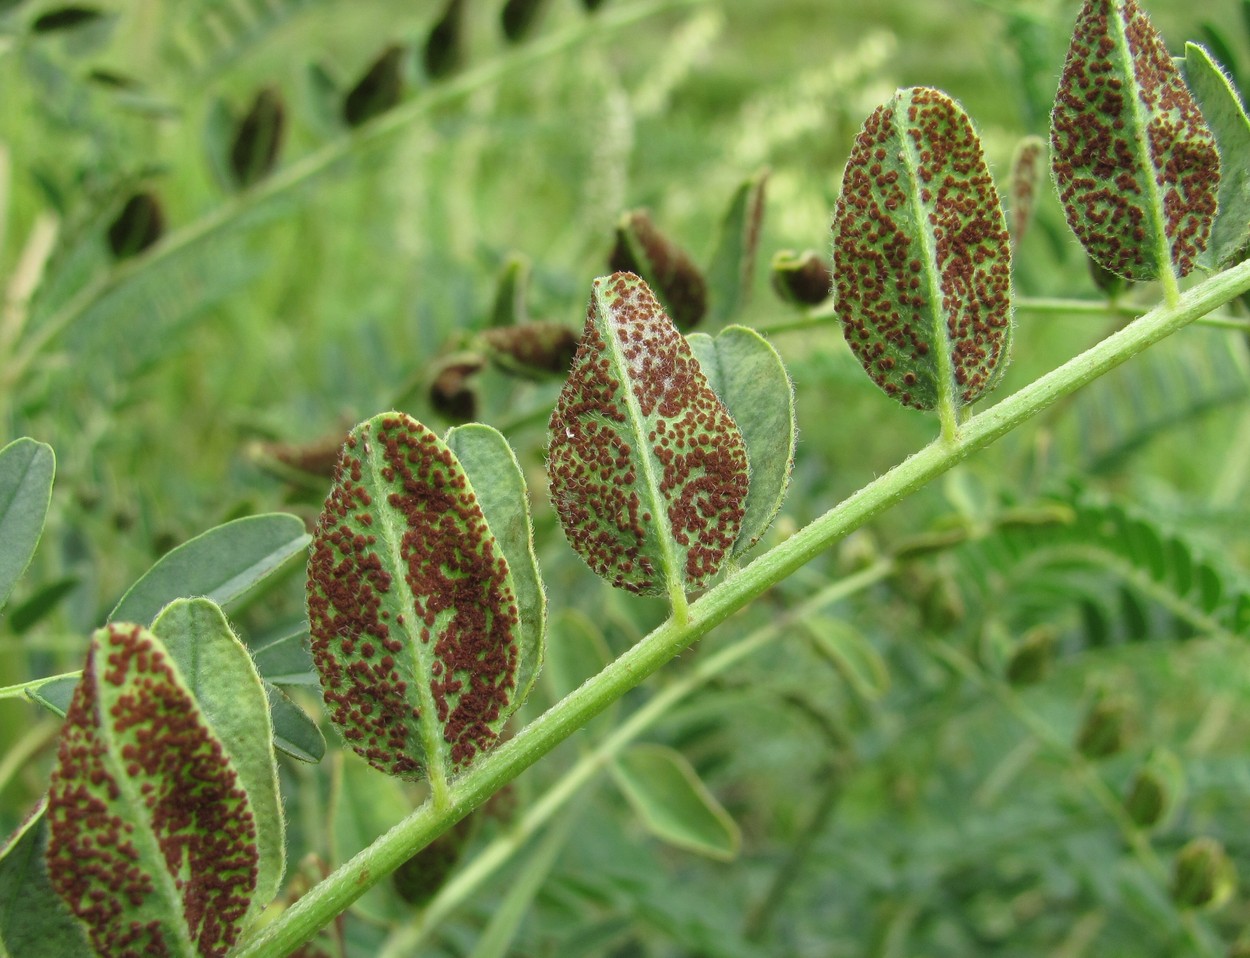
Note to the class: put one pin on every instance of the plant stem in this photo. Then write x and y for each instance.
(497, 768)
(14, 691)
(494, 855)
(320, 161)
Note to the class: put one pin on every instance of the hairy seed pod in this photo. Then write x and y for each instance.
(801, 278)
(378, 90)
(258, 138)
(519, 18)
(532, 349)
(1102, 733)
(1203, 875)
(1031, 660)
(138, 226)
(452, 392)
(444, 47)
(642, 249)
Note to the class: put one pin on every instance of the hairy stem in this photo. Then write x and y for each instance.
(496, 769)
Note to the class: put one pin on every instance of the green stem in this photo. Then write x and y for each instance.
(318, 162)
(494, 855)
(496, 769)
(14, 691)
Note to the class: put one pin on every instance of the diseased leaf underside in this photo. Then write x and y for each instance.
(144, 806)
(648, 471)
(412, 608)
(1135, 165)
(922, 263)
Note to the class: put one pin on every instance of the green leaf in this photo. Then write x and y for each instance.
(34, 922)
(293, 731)
(642, 249)
(1136, 168)
(26, 616)
(26, 471)
(54, 694)
(511, 287)
(732, 268)
(922, 262)
(222, 564)
(218, 671)
(286, 660)
(1028, 172)
(497, 478)
(648, 471)
(851, 654)
(414, 614)
(749, 377)
(1223, 112)
(152, 841)
(673, 803)
(219, 122)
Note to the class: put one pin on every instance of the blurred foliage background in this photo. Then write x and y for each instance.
(937, 765)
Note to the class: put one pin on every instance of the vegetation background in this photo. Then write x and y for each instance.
(903, 798)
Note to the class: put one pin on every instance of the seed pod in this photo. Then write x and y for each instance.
(378, 90)
(1032, 658)
(138, 226)
(1102, 733)
(801, 278)
(1203, 876)
(65, 18)
(1028, 171)
(642, 249)
(532, 349)
(452, 392)
(1146, 799)
(444, 47)
(519, 18)
(258, 138)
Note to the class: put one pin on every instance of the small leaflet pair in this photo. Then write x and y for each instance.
(425, 603)
(922, 258)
